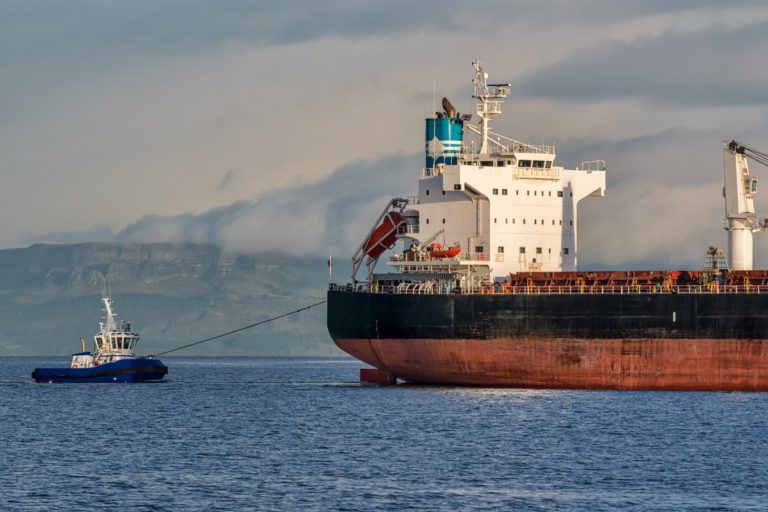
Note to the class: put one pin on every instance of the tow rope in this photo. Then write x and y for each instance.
(239, 330)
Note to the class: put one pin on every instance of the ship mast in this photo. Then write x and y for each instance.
(491, 98)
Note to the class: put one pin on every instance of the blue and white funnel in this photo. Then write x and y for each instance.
(443, 140)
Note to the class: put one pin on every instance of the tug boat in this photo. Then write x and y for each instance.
(113, 358)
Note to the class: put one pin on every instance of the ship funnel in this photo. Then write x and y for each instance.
(450, 110)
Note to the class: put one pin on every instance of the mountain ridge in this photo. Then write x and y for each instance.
(173, 293)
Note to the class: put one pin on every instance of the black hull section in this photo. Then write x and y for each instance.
(355, 315)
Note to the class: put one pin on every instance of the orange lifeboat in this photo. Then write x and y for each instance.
(437, 250)
(384, 236)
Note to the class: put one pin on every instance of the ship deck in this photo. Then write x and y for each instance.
(573, 283)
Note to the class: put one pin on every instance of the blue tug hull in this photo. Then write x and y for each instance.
(124, 370)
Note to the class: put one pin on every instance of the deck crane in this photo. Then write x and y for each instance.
(739, 191)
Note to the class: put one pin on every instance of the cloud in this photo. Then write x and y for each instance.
(331, 215)
(702, 68)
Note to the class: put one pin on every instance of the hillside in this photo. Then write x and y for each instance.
(173, 294)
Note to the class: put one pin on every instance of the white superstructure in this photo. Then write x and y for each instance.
(505, 202)
(113, 342)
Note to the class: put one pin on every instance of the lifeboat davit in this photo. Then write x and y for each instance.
(437, 250)
(384, 236)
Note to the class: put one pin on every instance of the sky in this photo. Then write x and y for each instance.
(265, 126)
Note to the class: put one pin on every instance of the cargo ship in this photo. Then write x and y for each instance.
(484, 288)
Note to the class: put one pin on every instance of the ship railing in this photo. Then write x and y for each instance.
(442, 288)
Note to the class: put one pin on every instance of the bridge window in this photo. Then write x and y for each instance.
(538, 164)
(549, 165)
(524, 163)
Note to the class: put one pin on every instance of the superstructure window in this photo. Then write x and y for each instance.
(494, 220)
(503, 191)
(427, 221)
(443, 221)
(522, 250)
(427, 193)
(517, 192)
(538, 250)
(501, 249)
(527, 192)
(495, 191)
(479, 248)
(565, 250)
(559, 193)
(457, 187)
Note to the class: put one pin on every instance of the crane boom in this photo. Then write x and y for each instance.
(739, 190)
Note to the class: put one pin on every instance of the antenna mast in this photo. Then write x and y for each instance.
(491, 98)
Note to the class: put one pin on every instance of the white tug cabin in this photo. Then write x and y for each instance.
(113, 342)
(505, 203)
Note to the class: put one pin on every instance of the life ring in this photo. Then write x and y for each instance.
(75, 365)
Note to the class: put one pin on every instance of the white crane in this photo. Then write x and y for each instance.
(739, 192)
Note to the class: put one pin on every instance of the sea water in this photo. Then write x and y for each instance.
(302, 434)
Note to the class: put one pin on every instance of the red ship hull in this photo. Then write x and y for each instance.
(643, 364)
